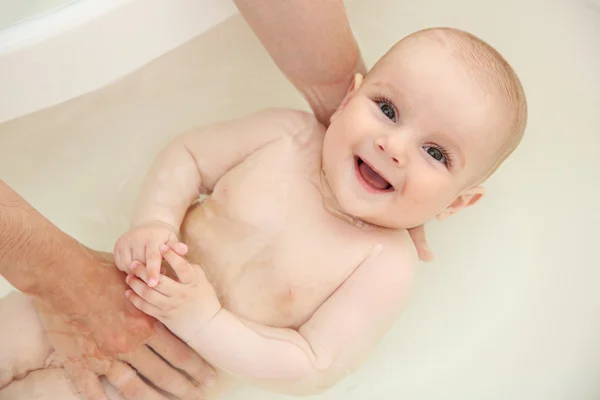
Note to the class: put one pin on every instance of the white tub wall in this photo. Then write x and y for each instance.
(91, 43)
(13, 12)
(510, 308)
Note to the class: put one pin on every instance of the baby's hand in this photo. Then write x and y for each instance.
(185, 307)
(142, 244)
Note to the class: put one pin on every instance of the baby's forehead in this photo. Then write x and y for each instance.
(430, 60)
(449, 48)
(446, 105)
(415, 64)
(431, 77)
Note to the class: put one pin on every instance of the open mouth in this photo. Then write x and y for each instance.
(371, 178)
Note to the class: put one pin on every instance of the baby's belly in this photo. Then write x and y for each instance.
(240, 265)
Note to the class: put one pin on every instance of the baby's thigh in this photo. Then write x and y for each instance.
(42, 384)
(23, 343)
(47, 384)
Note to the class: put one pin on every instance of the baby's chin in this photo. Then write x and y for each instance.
(371, 213)
(387, 223)
(368, 217)
(389, 219)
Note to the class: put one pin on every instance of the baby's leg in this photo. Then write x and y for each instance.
(48, 384)
(23, 344)
(42, 384)
(24, 350)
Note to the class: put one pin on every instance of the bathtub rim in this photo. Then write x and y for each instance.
(49, 40)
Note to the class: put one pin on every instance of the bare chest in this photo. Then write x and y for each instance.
(268, 244)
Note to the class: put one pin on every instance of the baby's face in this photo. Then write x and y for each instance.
(411, 141)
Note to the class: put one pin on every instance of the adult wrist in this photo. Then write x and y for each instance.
(39, 259)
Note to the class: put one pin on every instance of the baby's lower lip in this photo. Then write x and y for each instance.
(363, 181)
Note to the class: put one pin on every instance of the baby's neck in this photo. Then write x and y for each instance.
(333, 207)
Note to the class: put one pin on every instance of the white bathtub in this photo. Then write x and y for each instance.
(88, 44)
(509, 310)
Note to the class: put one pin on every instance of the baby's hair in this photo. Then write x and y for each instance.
(493, 73)
(496, 75)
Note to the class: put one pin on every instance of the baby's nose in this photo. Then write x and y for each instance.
(393, 150)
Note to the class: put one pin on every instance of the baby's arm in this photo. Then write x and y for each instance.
(191, 164)
(339, 335)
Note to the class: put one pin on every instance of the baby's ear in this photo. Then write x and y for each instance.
(466, 199)
(354, 85)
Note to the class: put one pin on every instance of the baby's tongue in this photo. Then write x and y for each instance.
(372, 177)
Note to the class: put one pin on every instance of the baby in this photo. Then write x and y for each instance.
(302, 244)
(303, 260)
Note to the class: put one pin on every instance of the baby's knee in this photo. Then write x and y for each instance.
(23, 343)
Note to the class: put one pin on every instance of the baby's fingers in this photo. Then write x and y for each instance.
(153, 260)
(180, 265)
(143, 305)
(166, 285)
(122, 257)
(147, 293)
(178, 247)
(138, 269)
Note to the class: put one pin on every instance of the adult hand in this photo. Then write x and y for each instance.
(107, 336)
(298, 32)
(417, 235)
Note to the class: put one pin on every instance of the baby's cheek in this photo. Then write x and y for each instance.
(429, 194)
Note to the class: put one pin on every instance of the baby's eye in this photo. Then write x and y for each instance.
(437, 154)
(387, 110)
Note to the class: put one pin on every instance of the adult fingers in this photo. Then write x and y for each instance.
(85, 381)
(419, 239)
(180, 355)
(131, 386)
(158, 372)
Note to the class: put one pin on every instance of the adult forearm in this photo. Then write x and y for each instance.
(313, 45)
(35, 256)
(24, 240)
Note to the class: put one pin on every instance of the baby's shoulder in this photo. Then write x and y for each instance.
(395, 244)
(295, 123)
